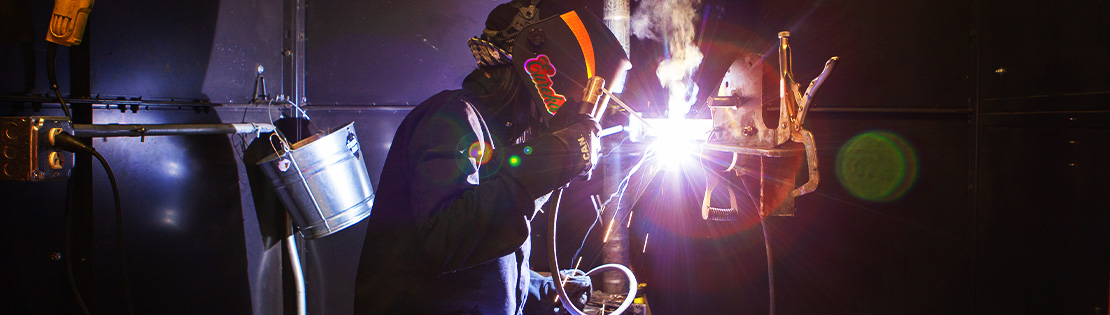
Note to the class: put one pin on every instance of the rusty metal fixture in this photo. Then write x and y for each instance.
(770, 156)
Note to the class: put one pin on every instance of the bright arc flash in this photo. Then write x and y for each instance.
(676, 140)
(674, 152)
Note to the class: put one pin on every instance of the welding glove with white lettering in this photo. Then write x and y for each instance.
(544, 299)
(552, 159)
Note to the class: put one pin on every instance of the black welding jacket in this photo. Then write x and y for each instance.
(449, 230)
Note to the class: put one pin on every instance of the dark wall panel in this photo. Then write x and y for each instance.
(206, 50)
(1042, 229)
(23, 26)
(1044, 48)
(151, 48)
(392, 52)
(182, 217)
(844, 254)
(381, 52)
(894, 54)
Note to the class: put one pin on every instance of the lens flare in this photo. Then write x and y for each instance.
(481, 152)
(877, 166)
(514, 161)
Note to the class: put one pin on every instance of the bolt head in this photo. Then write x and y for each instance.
(747, 131)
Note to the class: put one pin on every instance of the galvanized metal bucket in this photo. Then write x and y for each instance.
(322, 181)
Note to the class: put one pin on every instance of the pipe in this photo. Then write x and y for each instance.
(553, 257)
(617, 18)
(142, 130)
(298, 271)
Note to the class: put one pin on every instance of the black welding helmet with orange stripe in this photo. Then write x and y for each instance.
(555, 55)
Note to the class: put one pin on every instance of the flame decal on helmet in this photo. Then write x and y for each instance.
(541, 70)
(583, 37)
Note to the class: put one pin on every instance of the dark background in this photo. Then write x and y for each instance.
(1004, 103)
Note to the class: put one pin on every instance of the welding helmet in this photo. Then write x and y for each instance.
(554, 55)
(557, 55)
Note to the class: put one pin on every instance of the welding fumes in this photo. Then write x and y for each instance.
(672, 22)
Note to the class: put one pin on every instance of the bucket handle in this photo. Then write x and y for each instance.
(285, 147)
(286, 150)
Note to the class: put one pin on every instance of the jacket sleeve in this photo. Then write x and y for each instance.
(464, 219)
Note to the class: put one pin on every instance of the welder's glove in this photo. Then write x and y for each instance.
(552, 159)
(581, 136)
(579, 289)
(543, 299)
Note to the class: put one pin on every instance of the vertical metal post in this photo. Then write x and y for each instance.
(293, 54)
(82, 176)
(293, 78)
(617, 18)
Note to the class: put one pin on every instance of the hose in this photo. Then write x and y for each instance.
(70, 143)
(52, 75)
(553, 259)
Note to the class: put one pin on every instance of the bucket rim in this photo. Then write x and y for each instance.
(303, 143)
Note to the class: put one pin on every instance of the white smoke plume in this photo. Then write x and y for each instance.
(672, 22)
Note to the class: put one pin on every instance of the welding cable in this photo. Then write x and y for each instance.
(766, 245)
(119, 233)
(52, 75)
(70, 143)
(770, 269)
(632, 285)
(553, 260)
(68, 219)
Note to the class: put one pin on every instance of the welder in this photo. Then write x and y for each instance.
(468, 169)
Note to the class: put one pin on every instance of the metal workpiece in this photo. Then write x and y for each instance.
(143, 130)
(27, 150)
(770, 155)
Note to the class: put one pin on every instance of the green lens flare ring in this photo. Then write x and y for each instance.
(877, 166)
